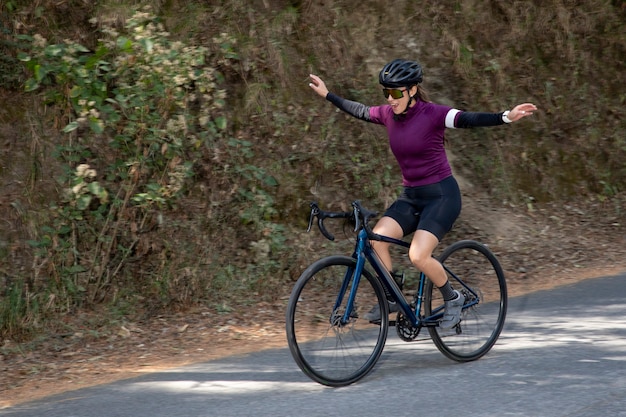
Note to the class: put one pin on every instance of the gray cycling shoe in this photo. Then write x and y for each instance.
(452, 315)
(374, 313)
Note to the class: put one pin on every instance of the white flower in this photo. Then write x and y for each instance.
(39, 41)
(76, 189)
(80, 170)
(85, 171)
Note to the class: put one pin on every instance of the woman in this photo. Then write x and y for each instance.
(416, 136)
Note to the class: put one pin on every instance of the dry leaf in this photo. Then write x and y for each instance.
(124, 332)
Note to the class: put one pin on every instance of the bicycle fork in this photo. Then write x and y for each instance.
(352, 275)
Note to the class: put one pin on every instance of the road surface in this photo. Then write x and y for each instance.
(562, 353)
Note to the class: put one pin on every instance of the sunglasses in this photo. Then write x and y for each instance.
(395, 93)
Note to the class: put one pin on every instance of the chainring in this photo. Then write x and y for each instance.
(406, 331)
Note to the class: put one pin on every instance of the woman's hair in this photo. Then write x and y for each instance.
(422, 94)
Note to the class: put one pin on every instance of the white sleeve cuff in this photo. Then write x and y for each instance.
(505, 117)
(450, 117)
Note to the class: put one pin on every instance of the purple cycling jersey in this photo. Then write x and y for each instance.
(417, 137)
(417, 141)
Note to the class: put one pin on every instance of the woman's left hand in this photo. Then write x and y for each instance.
(521, 110)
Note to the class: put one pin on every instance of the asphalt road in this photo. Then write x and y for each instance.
(562, 353)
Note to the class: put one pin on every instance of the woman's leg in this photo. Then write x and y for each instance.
(420, 254)
(386, 226)
(437, 218)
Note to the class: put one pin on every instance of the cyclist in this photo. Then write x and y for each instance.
(415, 127)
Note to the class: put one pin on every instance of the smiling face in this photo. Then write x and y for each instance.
(398, 98)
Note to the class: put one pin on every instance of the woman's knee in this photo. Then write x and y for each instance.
(422, 247)
(419, 257)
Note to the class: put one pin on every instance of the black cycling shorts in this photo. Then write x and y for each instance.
(433, 207)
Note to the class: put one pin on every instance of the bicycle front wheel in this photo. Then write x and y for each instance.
(474, 271)
(330, 346)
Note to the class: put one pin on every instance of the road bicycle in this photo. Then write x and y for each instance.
(334, 346)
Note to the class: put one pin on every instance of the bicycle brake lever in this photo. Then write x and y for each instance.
(315, 210)
(311, 216)
(356, 218)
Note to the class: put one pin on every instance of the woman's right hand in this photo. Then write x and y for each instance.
(318, 85)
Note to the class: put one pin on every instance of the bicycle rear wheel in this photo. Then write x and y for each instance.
(329, 349)
(475, 271)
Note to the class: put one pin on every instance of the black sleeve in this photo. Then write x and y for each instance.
(473, 119)
(358, 110)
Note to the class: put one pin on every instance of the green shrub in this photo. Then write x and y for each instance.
(151, 105)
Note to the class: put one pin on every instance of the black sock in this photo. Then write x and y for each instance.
(447, 292)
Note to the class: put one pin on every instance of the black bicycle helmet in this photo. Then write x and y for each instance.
(400, 73)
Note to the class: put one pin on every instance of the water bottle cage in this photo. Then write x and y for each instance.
(398, 277)
(388, 295)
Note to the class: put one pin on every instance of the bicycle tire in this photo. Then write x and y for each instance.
(475, 271)
(331, 353)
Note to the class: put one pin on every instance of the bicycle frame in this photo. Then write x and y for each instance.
(365, 253)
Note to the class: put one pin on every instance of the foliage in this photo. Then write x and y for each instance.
(16, 309)
(10, 70)
(150, 104)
